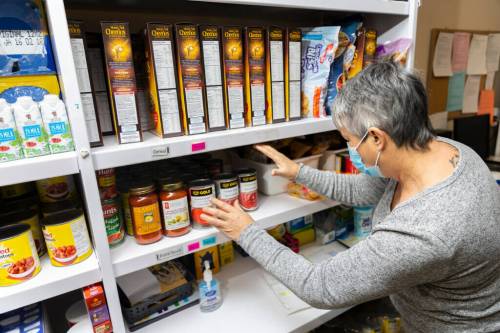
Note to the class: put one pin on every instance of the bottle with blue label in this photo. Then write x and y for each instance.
(363, 221)
(10, 143)
(30, 127)
(55, 121)
(210, 294)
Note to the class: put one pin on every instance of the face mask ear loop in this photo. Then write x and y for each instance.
(361, 141)
(378, 157)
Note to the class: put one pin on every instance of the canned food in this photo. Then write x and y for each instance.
(58, 207)
(56, 189)
(67, 238)
(113, 221)
(201, 192)
(106, 180)
(247, 179)
(15, 191)
(29, 217)
(19, 204)
(226, 185)
(127, 214)
(18, 258)
(213, 166)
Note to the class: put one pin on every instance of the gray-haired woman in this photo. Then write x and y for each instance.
(435, 244)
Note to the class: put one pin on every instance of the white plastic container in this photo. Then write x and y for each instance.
(56, 124)
(76, 313)
(84, 326)
(30, 127)
(10, 143)
(269, 184)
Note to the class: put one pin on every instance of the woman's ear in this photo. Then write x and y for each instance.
(379, 137)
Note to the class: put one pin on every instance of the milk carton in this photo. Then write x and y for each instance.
(56, 124)
(10, 143)
(30, 127)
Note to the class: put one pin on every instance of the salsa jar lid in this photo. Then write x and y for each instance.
(13, 230)
(201, 182)
(142, 187)
(62, 217)
(246, 171)
(225, 176)
(170, 184)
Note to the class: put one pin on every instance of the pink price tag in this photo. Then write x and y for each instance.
(193, 246)
(198, 146)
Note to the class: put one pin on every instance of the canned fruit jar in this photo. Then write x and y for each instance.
(247, 179)
(56, 189)
(67, 238)
(201, 193)
(18, 257)
(226, 185)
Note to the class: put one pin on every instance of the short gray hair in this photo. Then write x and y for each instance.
(388, 97)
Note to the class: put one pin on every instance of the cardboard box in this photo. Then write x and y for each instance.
(212, 65)
(141, 82)
(80, 58)
(190, 72)
(293, 54)
(276, 75)
(121, 81)
(161, 68)
(212, 255)
(95, 301)
(234, 76)
(299, 224)
(255, 75)
(226, 253)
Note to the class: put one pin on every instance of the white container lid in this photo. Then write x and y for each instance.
(76, 313)
(84, 326)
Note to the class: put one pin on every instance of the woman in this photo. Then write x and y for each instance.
(435, 244)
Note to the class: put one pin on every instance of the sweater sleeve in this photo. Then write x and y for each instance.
(386, 262)
(354, 190)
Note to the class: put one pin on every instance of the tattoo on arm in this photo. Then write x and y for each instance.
(454, 160)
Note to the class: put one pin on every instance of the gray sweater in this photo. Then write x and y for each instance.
(437, 255)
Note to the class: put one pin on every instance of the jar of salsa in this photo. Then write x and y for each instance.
(174, 207)
(145, 212)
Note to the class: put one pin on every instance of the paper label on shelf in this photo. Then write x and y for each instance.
(215, 103)
(209, 241)
(193, 246)
(287, 298)
(164, 64)
(276, 60)
(169, 111)
(162, 151)
(294, 60)
(82, 71)
(170, 254)
(21, 42)
(278, 91)
(295, 99)
(212, 66)
(198, 146)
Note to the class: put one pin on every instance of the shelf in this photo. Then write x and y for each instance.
(35, 168)
(372, 6)
(129, 256)
(50, 282)
(249, 304)
(153, 148)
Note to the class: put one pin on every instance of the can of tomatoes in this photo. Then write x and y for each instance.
(247, 179)
(67, 238)
(201, 193)
(18, 257)
(106, 179)
(56, 189)
(113, 221)
(226, 185)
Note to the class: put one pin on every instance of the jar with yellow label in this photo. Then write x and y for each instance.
(145, 211)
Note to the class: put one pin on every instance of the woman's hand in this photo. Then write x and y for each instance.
(231, 220)
(286, 167)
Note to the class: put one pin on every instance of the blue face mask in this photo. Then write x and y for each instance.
(356, 160)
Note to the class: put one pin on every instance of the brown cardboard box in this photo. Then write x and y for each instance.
(293, 54)
(121, 81)
(212, 255)
(161, 69)
(80, 58)
(234, 76)
(276, 74)
(255, 75)
(191, 80)
(212, 65)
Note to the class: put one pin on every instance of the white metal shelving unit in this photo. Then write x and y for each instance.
(247, 303)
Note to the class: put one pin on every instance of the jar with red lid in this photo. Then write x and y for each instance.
(145, 212)
(201, 193)
(174, 207)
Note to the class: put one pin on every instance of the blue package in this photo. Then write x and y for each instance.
(299, 224)
(25, 47)
(29, 319)
(347, 38)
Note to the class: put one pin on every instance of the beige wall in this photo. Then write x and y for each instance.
(453, 14)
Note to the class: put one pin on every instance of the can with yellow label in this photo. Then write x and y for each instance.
(67, 238)
(56, 189)
(18, 258)
(29, 217)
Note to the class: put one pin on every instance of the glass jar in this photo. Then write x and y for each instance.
(174, 207)
(201, 193)
(145, 212)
